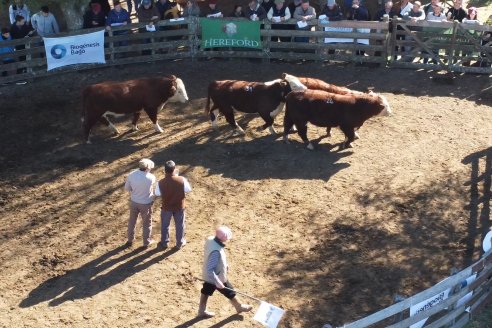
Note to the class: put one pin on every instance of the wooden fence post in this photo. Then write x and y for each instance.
(392, 41)
(453, 45)
(29, 57)
(193, 37)
(267, 26)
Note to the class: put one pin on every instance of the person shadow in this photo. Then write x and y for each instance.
(222, 323)
(86, 281)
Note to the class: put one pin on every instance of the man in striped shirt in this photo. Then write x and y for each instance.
(215, 273)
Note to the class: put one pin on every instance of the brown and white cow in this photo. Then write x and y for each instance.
(326, 109)
(266, 99)
(129, 97)
(304, 83)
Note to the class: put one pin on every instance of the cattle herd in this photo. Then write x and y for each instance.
(306, 100)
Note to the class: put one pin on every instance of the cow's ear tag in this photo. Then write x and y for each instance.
(329, 101)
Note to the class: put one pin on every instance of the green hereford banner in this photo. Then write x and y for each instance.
(218, 33)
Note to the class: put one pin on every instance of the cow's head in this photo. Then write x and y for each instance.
(384, 102)
(280, 86)
(294, 82)
(178, 91)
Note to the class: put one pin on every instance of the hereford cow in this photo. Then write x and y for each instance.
(304, 83)
(326, 109)
(266, 99)
(129, 97)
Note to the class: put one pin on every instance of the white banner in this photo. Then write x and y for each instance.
(468, 296)
(426, 305)
(346, 30)
(78, 49)
(269, 315)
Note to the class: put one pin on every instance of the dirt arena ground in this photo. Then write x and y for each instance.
(329, 236)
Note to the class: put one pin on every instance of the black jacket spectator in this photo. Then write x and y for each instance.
(94, 17)
(456, 14)
(359, 14)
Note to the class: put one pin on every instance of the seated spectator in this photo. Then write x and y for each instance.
(332, 11)
(267, 5)
(472, 17)
(147, 13)
(304, 13)
(19, 9)
(416, 14)
(6, 50)
(436, 14)
(238, 12)
(405, 7)
(357, 12)
(255, 11)
(20, 29)
(429, 7)
(117, 17)
(388, 10)
(105, 7)
(45, 23)
(191, 9)
(163, 6)
(212, 10)
(279, 13)
(94, 17)
(456, 12)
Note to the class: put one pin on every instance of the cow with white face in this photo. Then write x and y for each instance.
(267, 99)
(130, 97)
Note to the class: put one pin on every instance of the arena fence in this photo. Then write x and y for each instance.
(451, 46)
(450, 303)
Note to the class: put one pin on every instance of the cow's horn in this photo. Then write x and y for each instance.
(173, 77)
(284, 75)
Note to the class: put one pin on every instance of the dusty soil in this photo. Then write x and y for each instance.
(329, 236)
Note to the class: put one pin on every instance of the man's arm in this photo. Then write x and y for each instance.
(187, 186)
(157, 190)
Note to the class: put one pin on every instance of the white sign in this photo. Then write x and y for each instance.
(487, 242)
(426, 305)
(78, 49)
(346, 30)
(269, 315)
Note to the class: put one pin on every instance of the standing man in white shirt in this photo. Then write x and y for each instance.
(173, 190)
(140, 184)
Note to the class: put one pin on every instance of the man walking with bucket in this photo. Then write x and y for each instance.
(215, 273)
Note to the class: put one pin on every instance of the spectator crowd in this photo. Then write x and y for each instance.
(99, 13)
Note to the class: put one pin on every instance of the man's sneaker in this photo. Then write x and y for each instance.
(206, 314)
(151, 242)
(180, 246)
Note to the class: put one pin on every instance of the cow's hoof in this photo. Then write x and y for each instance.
(341, 147)
(310, 146)
(350, 145)
(293, 129)
(134, 128)
(272, 130)
(159, 130)
(357, 136)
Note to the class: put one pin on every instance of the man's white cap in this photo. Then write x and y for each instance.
(223, 233)
(145, 164)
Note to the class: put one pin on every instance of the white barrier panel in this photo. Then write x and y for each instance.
(346, 30)
(269, 315)
(78, 49)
